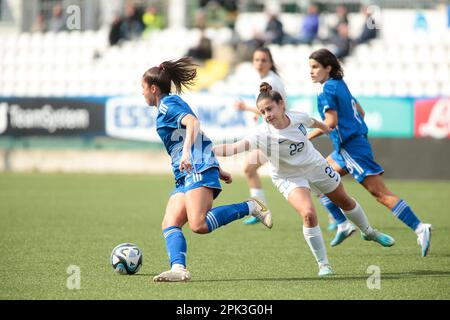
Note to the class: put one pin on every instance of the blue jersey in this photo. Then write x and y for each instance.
(334, 95)
(171, 110)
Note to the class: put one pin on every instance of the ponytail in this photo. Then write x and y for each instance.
(181, 72)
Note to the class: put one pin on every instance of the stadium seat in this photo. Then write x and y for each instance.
(401, 61)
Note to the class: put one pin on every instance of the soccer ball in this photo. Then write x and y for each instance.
(126, 258)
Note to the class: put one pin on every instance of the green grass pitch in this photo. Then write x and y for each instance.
(52, 221)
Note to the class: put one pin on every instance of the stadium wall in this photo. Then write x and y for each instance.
(424, 158)
(410, 137)
(418, 158)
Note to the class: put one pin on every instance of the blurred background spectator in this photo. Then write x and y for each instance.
(152, 20)
(204, 50)
(310, 25)
(216, 15)
(341, 43)
(40, 24)
(115, 32)
(274, 33)
(57, 21)
(132, 25)
(340, 17)
(369, 28)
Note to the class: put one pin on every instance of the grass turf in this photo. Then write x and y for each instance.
(52, 221)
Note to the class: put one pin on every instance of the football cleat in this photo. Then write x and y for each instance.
(332, 226)
(342, 235)
(424, 238)
(262, 213)
(379, 237)
(251, 220)
(173, 275)
(325, 270)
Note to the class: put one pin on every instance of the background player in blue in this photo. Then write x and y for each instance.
(194, 166)
(352, 150)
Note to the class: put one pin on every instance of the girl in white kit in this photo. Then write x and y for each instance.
(297, 167)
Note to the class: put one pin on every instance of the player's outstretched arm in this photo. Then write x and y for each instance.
(314, 134)
(240, 105)
(321, 126)
(230, 149)
(326, 126)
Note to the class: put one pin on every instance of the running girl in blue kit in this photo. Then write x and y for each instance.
(352, 151)
(195, 168)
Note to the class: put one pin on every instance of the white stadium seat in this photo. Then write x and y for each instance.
(402, 61)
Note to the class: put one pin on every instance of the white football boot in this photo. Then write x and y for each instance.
(262, 213)
(424, 238)
(325, 270)
(173, 275)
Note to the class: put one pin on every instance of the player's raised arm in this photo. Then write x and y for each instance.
(230, 149)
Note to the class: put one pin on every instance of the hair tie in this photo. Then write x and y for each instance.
(162, 67)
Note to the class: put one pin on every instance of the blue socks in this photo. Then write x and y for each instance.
(334, 210)
(176, 245)
(403, 212)
(216, 217)
(220, 216)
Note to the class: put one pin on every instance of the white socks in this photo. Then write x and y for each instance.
(258, 194)
(313, 237)
(177, 266)
(419, 228)
(359, 218)
(251, 206)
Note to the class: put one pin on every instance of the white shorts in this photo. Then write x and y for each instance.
(321, 179)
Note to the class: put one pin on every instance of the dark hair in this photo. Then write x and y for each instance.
(267, 51)
(265, 91)
(181, 72)
(326, 58)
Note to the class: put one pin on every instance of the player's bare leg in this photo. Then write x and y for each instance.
(174, 219)
(300, 199)
(253, 162)
(336, 167)
(175, 214)
(376, 186)
(198, 202)
(356, 214)
(337, 220)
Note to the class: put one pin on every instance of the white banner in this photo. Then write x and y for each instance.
(128, 117)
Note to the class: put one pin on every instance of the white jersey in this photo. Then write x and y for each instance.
(288, 150)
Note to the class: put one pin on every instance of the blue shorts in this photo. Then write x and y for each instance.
(356, 157)
(208, 178)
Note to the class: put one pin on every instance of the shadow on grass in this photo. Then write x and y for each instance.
(336, 277)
